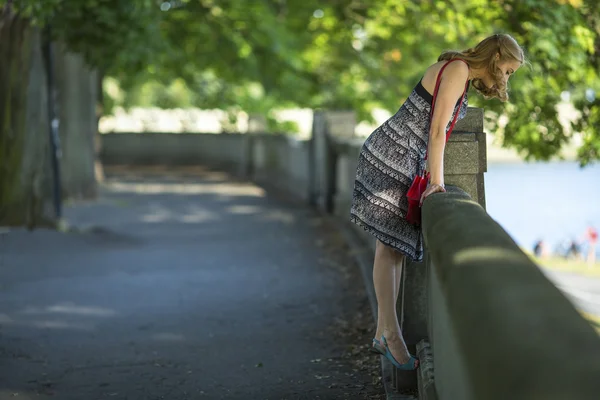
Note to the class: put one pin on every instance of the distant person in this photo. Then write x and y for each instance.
(398, 151)
(537, 248)
(591, 234)
(563, 249)
(540, 249)
(574, 250)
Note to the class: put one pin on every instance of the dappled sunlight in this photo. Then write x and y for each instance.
(487, 254)
(158, 214)
(194, 214)
(227, 189)
(168, 337)
(191, 172)
(8, 393)
(50, 324)
(216, 176)
(244, 210)
(69, 309)
(42, 316)
(154, 218)
(197, 217)
(279, 216)
(463, 200)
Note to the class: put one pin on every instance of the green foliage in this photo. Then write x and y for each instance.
(562, 39)
(589, 126)
(113, 35)
(283, 127)
(343, 54)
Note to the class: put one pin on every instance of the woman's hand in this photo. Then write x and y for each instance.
(432, 188)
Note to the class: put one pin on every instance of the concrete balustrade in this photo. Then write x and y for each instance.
(498, 328)
(277, 160)
(222, 151)
(282, 162)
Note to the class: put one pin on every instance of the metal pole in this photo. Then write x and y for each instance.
(55, 150)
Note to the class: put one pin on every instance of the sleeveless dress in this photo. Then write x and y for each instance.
(389, 160)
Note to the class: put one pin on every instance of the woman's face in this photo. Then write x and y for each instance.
(508, 67)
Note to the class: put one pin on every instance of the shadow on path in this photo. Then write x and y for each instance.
(184, 286)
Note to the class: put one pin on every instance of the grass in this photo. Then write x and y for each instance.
(564, 265)
(594, 320)
(576, 267)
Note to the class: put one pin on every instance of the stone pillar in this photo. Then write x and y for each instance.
(77, 101)
(316, 159)
(322, 157)
(464, 165)
(347, 152)
(341, 124)
(257, 123)
(465, 159)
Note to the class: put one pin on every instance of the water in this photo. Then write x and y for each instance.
(553, 201)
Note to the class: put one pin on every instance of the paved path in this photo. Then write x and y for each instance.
(583, 291)
(183, 288)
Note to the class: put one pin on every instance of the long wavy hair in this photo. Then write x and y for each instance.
(484, 56)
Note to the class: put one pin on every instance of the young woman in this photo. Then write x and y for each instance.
(395, 153)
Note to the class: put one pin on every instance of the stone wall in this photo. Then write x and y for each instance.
(276, 160)
(283, 162)
(218, 150)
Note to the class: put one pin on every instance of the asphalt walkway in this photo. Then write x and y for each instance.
(184, 287)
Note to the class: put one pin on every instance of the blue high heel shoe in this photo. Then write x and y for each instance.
(411, 364)
(377, 348)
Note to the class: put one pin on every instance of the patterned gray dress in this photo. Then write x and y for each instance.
(389, 160)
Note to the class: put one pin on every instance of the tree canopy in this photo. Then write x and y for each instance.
(349, 54)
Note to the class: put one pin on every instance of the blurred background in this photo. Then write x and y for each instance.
(213, 277)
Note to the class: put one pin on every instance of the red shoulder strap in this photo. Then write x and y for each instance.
(435, 92)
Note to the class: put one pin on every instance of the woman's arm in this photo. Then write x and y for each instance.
(452, 86)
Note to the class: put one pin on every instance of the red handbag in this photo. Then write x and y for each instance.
(419, 185)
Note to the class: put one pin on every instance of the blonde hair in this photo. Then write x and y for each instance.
(484, 56)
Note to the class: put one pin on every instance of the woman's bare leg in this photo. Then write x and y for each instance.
(387, 271)
(398, 274)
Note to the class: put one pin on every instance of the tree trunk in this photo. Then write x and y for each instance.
(25, 171)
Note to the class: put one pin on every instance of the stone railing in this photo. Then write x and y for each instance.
(221, 151)
(498, 328)
(275, 160)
